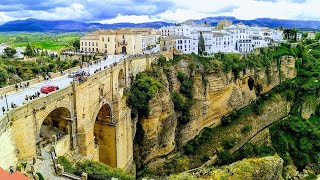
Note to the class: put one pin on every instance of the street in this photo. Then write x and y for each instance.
(18, 98)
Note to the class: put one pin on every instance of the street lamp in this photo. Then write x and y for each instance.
(5, 96)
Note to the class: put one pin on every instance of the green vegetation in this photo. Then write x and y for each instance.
(40, 176)
(40, 40)
(143, 88)
(201, 44)
(95, 170)
(15, 71)
(9, 52)
(183, 100)
(297, 140)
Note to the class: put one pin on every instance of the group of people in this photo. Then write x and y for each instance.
(81, 77)
(34, 96)
(22, 86)
(47, 77)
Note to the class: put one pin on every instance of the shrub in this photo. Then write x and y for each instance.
(246, 129)
(68, 167)
(40, 176)
(143, 88)
(229, 143)
(98, 170)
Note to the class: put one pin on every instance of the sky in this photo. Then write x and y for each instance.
(138, 11)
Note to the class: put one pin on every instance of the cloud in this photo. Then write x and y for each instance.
(136, 11)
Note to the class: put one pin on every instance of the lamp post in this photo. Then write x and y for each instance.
(5, 96)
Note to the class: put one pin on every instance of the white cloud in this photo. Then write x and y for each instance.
(131, 18)
(179, 11)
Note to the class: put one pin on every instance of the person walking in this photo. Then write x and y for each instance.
(26, 98)
(11, 169)
(16, 87)
(3, 109)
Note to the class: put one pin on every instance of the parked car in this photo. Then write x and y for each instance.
(79, 72)
(48, 88)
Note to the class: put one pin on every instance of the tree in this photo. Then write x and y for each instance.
(10, 52)
(30, 52)
(3, 77)
(201, 44)
(76, 44)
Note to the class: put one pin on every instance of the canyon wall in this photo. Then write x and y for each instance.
(218, 96)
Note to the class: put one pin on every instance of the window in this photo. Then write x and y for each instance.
(105, 46)
(85, 43)
(96, 43)
(102, 39)
(122, 36)
(108, 39)
(89, 43)
(81, 43)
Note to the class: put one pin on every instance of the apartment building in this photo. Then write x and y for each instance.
(176, 44)
(237, 38)
(120, 41)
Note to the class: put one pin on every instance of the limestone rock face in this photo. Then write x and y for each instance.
(222, 94)
(262, 168)
(159, 128)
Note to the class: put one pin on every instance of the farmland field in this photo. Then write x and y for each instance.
(48, 41)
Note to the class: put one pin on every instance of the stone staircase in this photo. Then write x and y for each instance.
(44, 165)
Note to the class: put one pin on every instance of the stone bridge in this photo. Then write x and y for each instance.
(90, 119)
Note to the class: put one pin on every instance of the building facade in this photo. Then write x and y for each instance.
(237, 38)
(120, 41)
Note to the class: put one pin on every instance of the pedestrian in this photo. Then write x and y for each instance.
(1, 96)
(30, 97)
(11, 169)
(16, 87)
(3, 109)
(26, 98)
(33, 97)
(28, 84)
(38, 94)
(12, 106)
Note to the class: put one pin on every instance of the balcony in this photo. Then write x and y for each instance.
(123, 43)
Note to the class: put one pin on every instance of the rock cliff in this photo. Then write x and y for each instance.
(215, 95)
(256, 168)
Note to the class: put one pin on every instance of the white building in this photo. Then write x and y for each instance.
(177, 44)
(237, 38)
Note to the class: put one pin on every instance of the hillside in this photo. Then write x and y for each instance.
(34, 25)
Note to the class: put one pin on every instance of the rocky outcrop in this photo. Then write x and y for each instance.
(220, 95)
(256, 168)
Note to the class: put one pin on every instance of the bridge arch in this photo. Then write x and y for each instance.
(105, 135)
(58, 123)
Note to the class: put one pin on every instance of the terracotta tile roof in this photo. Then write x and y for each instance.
(15, 176)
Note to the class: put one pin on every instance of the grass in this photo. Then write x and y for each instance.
(47, 41)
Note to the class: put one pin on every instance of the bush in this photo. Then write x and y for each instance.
(68, 167)
(229, 143)
(246, 129)
(98, 170)
(143, 88)
(40, 176)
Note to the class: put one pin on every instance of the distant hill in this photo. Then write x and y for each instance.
(265, 22)
(34, 25)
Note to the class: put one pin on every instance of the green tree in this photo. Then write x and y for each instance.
(10, 52)
(3, 77)
(201, 44)
(76, 44)
(30, 52)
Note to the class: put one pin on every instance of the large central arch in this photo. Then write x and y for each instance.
(105, 136)
(57, 123)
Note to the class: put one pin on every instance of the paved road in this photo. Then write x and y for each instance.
(18, 98)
